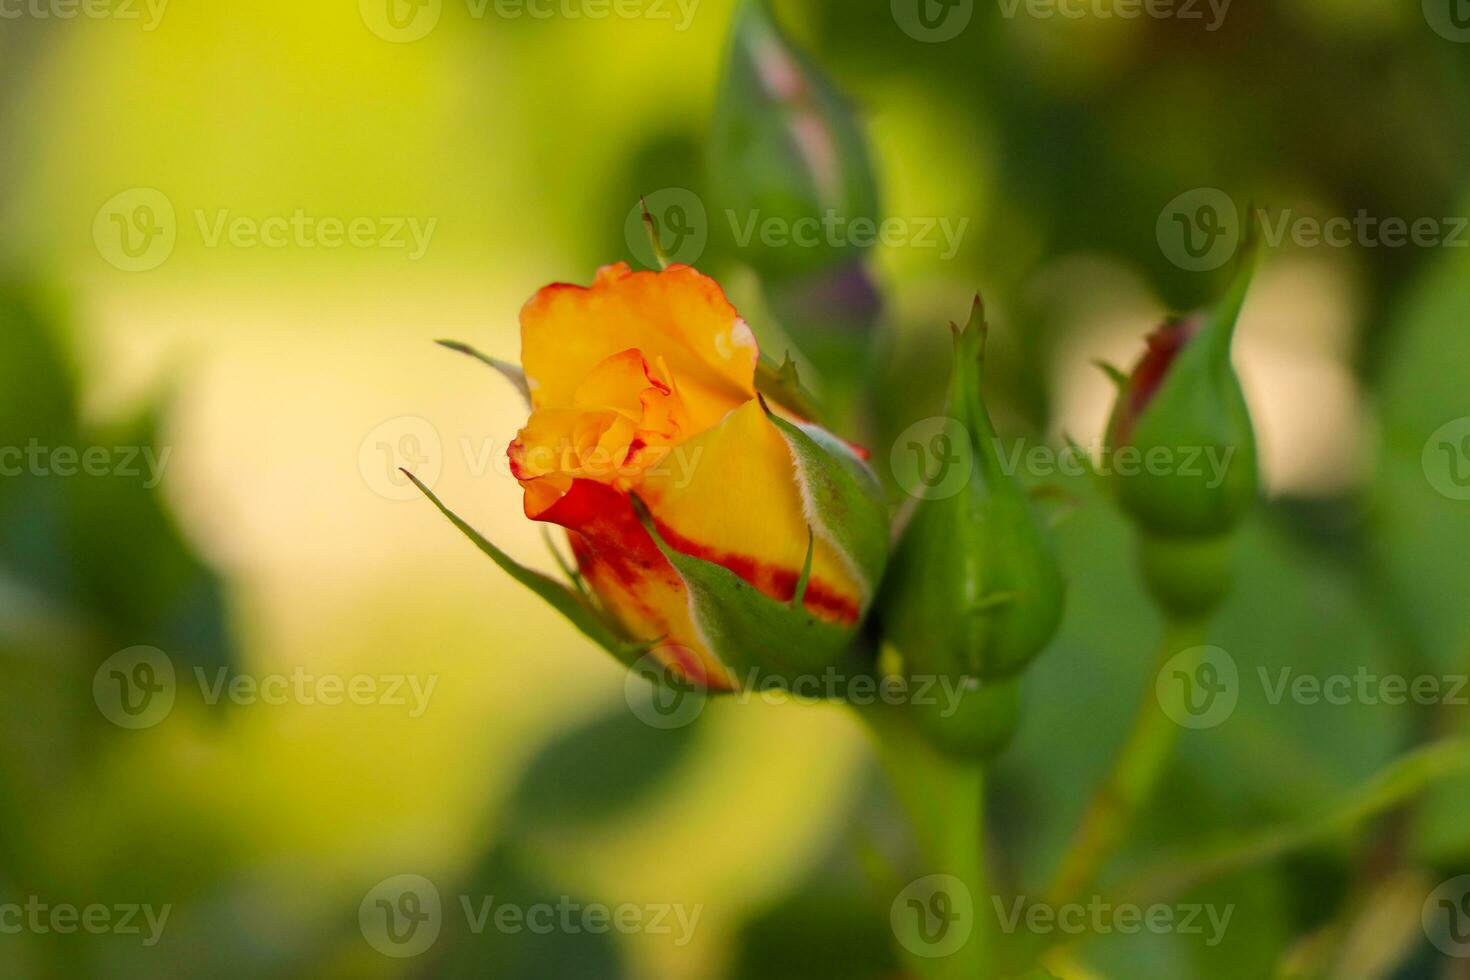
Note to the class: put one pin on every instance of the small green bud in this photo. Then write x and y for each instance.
(787, 153)
(974, 590)
(1181, 443)
(1188, 576)
(974, 721)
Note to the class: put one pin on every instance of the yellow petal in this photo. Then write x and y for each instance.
(731, 496)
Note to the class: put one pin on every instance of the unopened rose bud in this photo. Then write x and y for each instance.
(787, 153)
(730, 542)
(1191, 472)
(974, 592)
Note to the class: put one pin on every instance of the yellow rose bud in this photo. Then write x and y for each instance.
(718, 534)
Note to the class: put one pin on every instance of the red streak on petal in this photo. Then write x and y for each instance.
(607, 531)
(772, 580)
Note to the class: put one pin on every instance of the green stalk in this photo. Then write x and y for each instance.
(944, 801)
(1131, 783)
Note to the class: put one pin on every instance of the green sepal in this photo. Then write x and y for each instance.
(781, 383)
(974, 589)
(511, 372)
(570, 604)
(1115, 374)
(655, 241)
(754, 636)
(842, 498)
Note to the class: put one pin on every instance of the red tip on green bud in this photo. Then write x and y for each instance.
(1181, 438)
(1183, 454)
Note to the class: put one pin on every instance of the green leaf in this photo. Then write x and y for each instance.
(1421, 535)
(597, 770)
(558, 596)
(1419, 529)
(506, 878)
(132, 566)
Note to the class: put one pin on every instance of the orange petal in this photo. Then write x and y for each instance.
(678, 319)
